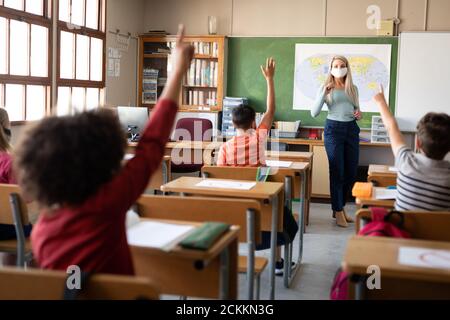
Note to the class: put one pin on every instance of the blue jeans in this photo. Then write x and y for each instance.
(342, 146)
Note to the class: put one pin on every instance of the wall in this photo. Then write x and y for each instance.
(127, 16)
(294, 17)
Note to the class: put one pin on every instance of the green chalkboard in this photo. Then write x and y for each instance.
(245, 55)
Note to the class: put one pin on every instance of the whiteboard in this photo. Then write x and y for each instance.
(423, 83)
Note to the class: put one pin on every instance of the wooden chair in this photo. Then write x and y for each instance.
(14, 211)
(382, 181)
(292, 185)
(243, 213)
(430, 226)
(433, 226)
(33, 284)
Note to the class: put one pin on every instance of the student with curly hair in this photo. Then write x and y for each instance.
(72, 167)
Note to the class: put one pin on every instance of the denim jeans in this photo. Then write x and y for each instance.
(342, 146)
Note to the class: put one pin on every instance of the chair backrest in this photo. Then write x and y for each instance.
(201, 209)
(196, 129)
(382, 181)
(33, 284)
(433, 226)
(6, 216)
(245, 173)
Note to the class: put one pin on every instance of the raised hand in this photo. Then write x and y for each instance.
(379, 98)
(269, 70)
(183, 53)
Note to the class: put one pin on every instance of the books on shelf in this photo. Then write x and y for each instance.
(150, 86)
(198, 97)
(202, 73)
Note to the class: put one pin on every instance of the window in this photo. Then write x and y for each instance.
(81, 32)
(26, 56)
(25, 69)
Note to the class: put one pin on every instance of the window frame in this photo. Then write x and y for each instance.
(32, 19)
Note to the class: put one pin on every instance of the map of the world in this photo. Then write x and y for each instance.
(369, 69)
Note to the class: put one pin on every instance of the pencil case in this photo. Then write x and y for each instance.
(203, 237)
(362, 190)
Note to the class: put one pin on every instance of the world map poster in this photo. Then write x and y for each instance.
(370, 65)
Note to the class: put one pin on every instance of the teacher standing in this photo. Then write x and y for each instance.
(341, 133)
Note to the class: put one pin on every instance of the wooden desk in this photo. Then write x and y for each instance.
(381, 176)
(295, 181)
(162, 175)
(398, 281)
(194, 273)
(373, 202)
(269, 194)
(297, 157)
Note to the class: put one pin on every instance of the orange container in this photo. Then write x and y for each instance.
(362, 190)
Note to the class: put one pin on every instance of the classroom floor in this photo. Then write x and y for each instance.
(324, 246)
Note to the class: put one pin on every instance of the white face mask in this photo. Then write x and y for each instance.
(339, 73)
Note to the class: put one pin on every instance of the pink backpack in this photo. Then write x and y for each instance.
(381, 225)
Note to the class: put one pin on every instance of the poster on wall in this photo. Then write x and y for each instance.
(370, 65)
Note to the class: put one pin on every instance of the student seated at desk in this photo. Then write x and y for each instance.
(423, 181)
(7, 232)
(248, 149)
(72, 167)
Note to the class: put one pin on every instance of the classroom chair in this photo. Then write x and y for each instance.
(198, 130)
(34, 284)
(380, 181)
(243, 213)
(14, 211)
(292, 185)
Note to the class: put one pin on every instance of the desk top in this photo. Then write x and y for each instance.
(262, 190)
(290, 155)
(297, 141)
(372, 201)
(187, 144)
(180, 252)
(366, 251)
(381, 170)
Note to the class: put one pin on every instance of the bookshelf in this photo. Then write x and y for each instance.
(203, 85)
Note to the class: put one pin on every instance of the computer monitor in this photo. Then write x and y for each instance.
(133, 121)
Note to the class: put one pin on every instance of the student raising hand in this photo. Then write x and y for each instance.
(269, 70)
(181, 60)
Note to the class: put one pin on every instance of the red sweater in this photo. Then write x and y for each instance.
(93, 235)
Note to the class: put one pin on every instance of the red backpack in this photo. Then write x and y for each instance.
(383, 224)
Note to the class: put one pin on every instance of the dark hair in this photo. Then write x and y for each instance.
(243, 117)
(65, 160)
(433, 132)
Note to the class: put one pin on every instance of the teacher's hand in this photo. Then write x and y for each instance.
(357, 114)
(329, 88)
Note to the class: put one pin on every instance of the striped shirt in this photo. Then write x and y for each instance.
(423, 184)
(248, 150)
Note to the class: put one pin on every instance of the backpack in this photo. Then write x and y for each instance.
(383, 224)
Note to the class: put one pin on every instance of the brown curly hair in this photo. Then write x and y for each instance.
(65, 160)
(433, 131)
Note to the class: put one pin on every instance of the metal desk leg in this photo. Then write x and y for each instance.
(273, 247)
(301, 231)
(359, 282)
(287, 246)
(224, 293)
(251, 253)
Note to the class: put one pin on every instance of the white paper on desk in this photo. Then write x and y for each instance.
(226, 184)
(423, 257)
(158, 235)
(128, 156)
(393, 169)
(279, 164)
(385, 194)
